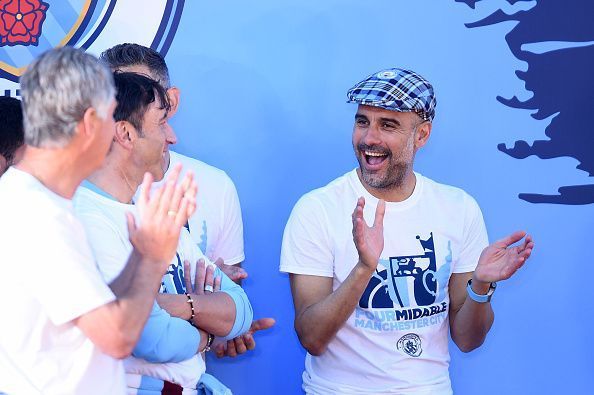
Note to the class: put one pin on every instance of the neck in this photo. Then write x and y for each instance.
(57, 169)
(395, 193)
(115, 178)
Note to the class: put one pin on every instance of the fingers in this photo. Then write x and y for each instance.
(219, 350)
(379, 213)
(145, 190)
(511, 239)
(187, 277)
(131, 223)
(209, 279)
(249, 341)
(217, 283)
(200, 276)
(231, 351)
(262, 323)
(240, 346)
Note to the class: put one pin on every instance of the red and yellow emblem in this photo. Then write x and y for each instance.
(21, 21)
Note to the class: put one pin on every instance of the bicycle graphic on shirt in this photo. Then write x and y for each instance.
(387, 291)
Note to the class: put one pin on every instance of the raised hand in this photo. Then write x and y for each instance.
(161, 216)
(369, 240)
(245, 342)
(234, 272)
(499, 261)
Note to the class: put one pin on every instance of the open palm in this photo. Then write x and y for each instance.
(369, 240)
(499, 261)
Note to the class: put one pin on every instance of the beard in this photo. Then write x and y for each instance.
(391, 177)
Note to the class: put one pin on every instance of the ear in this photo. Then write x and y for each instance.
(88, 127)
(173, 93)
(423, 133)
(125, 134)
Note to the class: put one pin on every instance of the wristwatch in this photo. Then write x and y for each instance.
(481, 298)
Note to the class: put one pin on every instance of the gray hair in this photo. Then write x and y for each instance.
(57, 89)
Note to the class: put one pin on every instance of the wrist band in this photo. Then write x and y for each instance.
(209, 341)
(191, 302)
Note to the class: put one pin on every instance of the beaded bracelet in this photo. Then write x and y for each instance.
(191, 302)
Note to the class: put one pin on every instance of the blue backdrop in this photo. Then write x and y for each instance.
(263, 97)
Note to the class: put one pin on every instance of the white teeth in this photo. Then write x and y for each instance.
(370, 153)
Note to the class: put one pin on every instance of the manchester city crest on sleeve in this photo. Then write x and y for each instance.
(410, 344)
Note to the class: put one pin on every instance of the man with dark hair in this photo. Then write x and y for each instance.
(167, 356)
(67, 326)
(217, 227)
(11, 132)
(374, 304)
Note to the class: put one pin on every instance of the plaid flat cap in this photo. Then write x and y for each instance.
(396, 90)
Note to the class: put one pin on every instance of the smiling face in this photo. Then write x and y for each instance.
(151, 146)
(385, 143)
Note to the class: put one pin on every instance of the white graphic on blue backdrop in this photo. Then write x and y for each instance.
(398, 278)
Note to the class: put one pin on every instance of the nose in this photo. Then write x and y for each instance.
(372, 135)
(170, 135)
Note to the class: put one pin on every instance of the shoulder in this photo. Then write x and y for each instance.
(447, 194)
(203, 172)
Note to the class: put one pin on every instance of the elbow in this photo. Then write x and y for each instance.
(121, 345)
(468, 345)
(313, 344)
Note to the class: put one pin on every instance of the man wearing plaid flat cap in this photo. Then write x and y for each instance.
(374, 304)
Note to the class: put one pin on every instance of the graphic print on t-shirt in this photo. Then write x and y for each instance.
(173, 280)
(396, 277)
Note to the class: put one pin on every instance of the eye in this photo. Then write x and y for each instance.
(361, 122)
(388, 125)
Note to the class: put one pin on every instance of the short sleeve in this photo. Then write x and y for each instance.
(67, 281)
(230, 241)
(307, 247)
(475, 237)
(109, 250)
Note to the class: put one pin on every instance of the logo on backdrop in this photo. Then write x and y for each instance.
(31, 27)
(560, 62)
(21, 21)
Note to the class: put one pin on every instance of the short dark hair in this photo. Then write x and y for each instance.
(135, 92)
(11, 127)
(127, 54)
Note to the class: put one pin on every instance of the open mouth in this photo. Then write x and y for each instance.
(374, 158)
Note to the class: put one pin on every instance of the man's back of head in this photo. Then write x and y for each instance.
(57, 89)
(124, 56)
(11, 131)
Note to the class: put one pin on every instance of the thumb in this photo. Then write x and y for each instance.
(262, 323)
(131, 222)
(511, 239)
(379, 213)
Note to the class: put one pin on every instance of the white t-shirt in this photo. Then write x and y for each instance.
(49, 279)
(105, 222)
(396, 340)
(216, 226)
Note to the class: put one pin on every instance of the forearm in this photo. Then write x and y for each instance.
(167, 339)
(214, 312)
(122, 282)
(471, 323)
(135, 303)
(317, 324)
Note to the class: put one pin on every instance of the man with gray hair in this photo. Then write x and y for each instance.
(67, 327)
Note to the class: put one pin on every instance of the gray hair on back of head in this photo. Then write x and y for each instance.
(57, 89)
